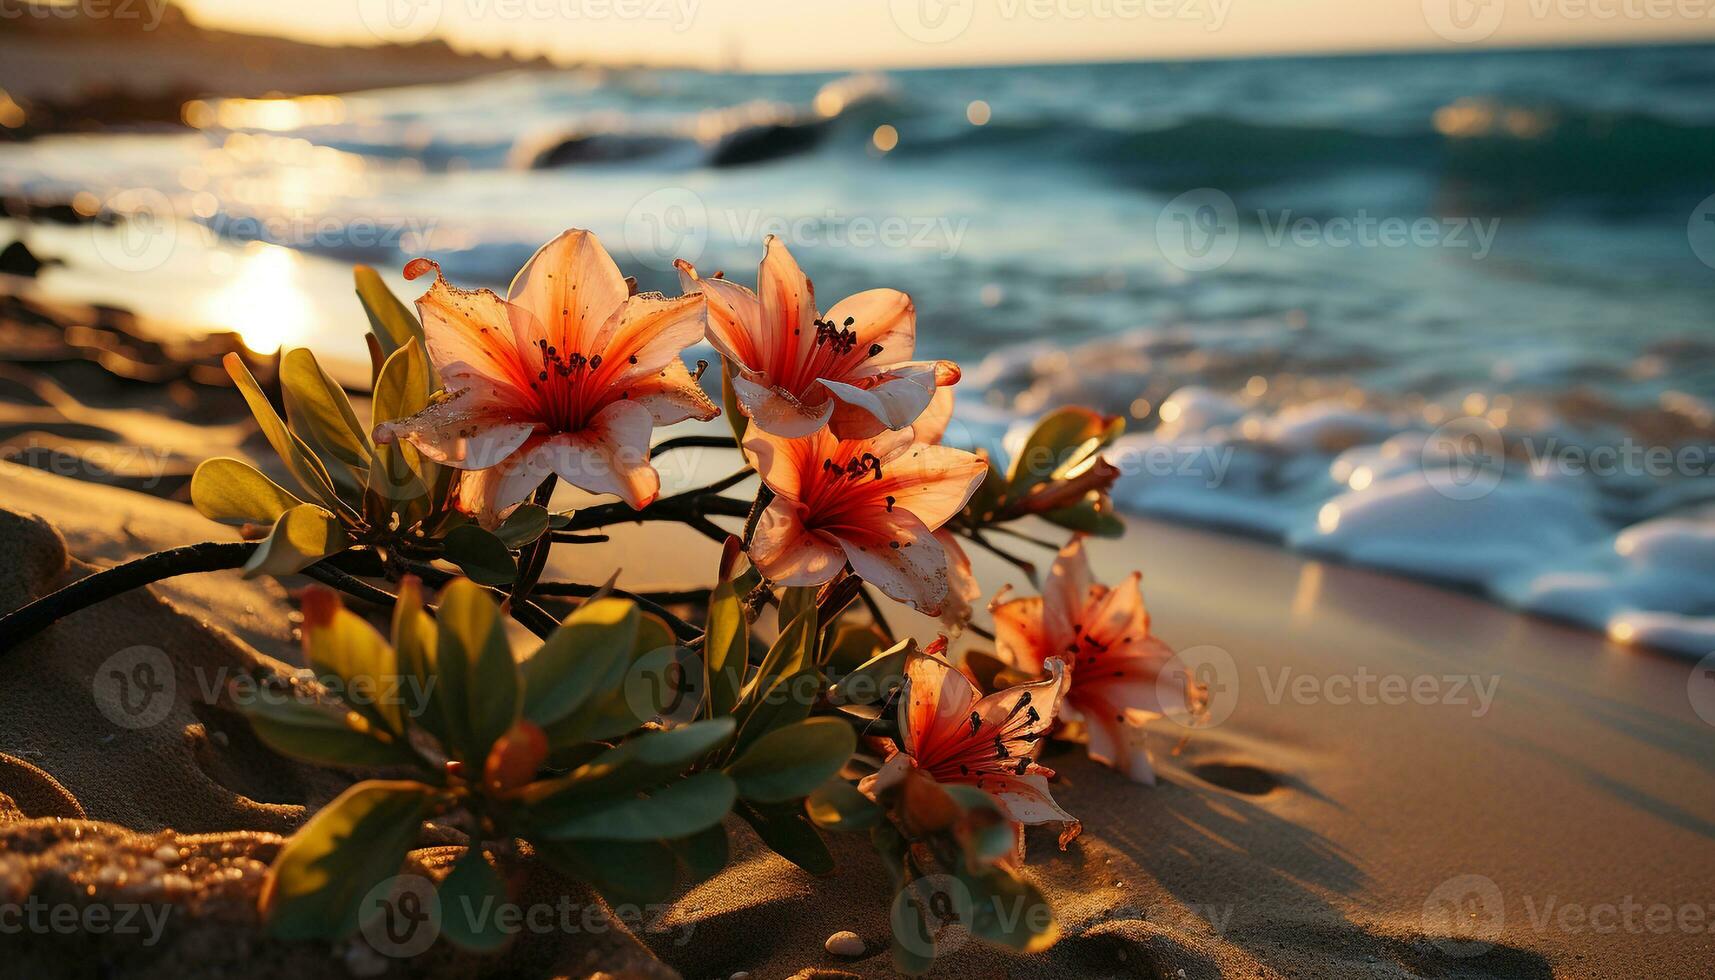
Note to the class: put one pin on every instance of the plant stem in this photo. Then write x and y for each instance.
(531, 568)
(764, 496)
(692, 442)
(30, 619)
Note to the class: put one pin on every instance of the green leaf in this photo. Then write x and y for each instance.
(686, 807)
(302, 536)
(391, 321)
(319, 413)
(837, 805)
(400, 474)
(1086, 517)
(299, 461)
(476, 669)
(585, 657)
(877, 678)
(1062, 439)
(789, 833)
(791, 651)
(788, 701)
(526, 523)
(793, 603)
(637, 872)
(317, 884)
(640, 763)
(726, 648)
(471, 896)
(414, 647)
(347, 649)
(322, 733)
(703, 854)
(652, 688)
(1010, 911)
(481, 555)
(234, 492)
(851, 646)
(735, 417)
(791, 761)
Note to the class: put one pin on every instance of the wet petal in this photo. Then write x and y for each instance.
(646, 335)
(788, 553)
(891, 401)
(572, 286)
(473, 341)
(463, 430)
(486, 494)
(777, 412)
(899, 555)
(1028, 801)
(672, 395)
(735, 325)
(610, 455)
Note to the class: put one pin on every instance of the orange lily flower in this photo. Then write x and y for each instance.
(953, 735)
(873, 502)
(568, 375)
(795, 371)
(1113, 663)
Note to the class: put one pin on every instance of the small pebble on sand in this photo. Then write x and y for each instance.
(167, 854)
(845, 943)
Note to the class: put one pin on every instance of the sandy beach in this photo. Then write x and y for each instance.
(1403, 781)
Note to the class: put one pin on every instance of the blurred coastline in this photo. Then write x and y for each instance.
(1301, 294)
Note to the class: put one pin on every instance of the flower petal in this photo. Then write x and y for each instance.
(1019, 637)
(464, 430)
(899, 555)
(775, 411)
(895, 400)
(963, 589)
(572, 286)
(1066, 593)
(788, 312)
(932, 482)
(610, 455)
(645, 335)
(931, 426)
(788, 553)
(787, 465)
(473, 337)
(937, 704)
(1116, 738)
(1001, 711)
(486, 494)
(884, 317)
(734, 317)
(1027, 800)
(672, 395)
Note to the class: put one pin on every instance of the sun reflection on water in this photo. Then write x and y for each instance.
(266, 302)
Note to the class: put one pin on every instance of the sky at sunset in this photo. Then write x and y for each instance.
(840, 34)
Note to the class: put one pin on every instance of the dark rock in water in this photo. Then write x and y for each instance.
(578, 148)
(767, 142)
(18, 260)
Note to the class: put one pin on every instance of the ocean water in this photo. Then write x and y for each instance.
(1448, 315)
